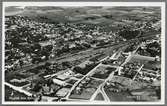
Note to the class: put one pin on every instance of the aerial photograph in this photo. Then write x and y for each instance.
(82, 54)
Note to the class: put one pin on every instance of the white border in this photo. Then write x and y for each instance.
(161, 4)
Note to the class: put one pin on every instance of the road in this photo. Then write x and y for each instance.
(19, 89)
(76, 83)
(100, 86)
(100, 89)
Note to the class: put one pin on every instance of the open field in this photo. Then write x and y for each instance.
(152, 65)
(141, 59)
(103, 72)
(99, 97)
(87, 91)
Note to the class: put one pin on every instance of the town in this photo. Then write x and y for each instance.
(80, 59)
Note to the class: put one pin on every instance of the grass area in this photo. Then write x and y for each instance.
(129, 83)
(86, 94)
(99, 97)
(152, 65)
(79, 76)
(87, 90)
(19, 83)
(71, 81)
(85, 69)
(141, 59)
(119, 96)
(125, 89)
(103, 72)
(148, 94)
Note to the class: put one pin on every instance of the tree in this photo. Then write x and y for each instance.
(21, 63)
(129, 34)
(36, 59)
(47, 65)
(48, 48)
(36, 48)
(154, 49)
(38, 84)
(77, 69)
(67, 64)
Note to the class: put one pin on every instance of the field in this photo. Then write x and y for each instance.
(71, 81)
(87, 90)
(16, 75)
(149, 62)
(99, 97)
(141, 59)
(151, 65)
(20, 83)
(123, 88)
(146, 94)
(119, 96)
(103, 72)
(122, 96)
(128, 83)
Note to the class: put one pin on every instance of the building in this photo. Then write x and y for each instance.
(59, 82)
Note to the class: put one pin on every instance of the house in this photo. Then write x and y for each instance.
(83, 64)
(65, 75)
(45, 43)
(72, 45)
(59, 82)
(51, 36)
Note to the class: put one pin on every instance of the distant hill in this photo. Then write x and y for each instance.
(13, 10)
(93, 15)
